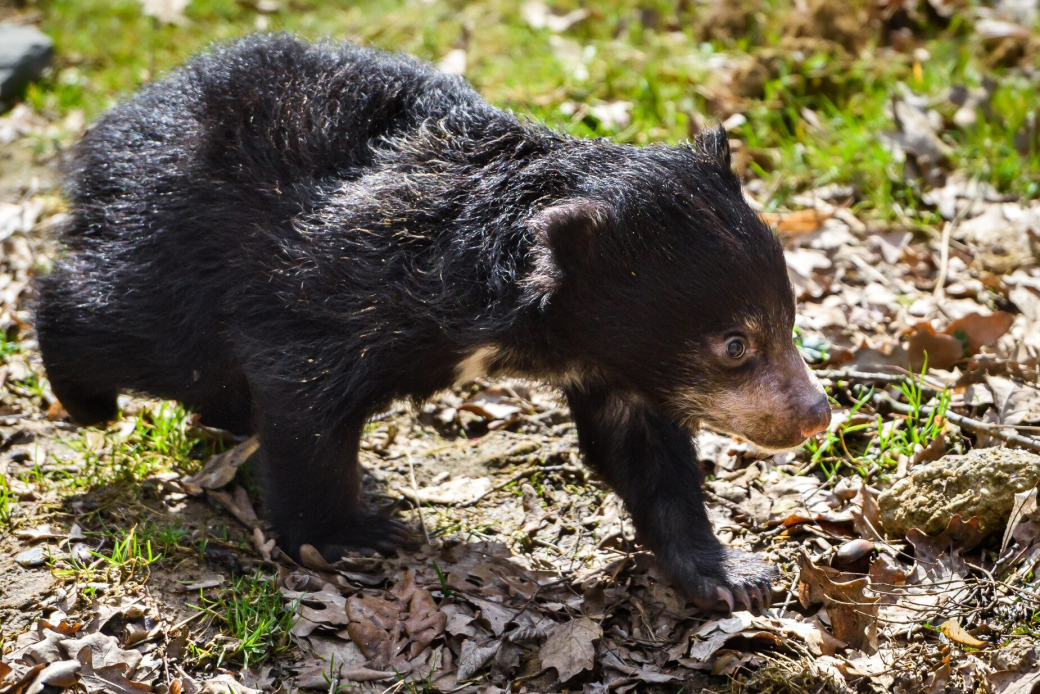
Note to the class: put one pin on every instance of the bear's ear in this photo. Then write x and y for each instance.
(715, 144)
(564, 239)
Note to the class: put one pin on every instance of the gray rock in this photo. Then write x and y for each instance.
(32, 557)
(24, 53)
(982, 483)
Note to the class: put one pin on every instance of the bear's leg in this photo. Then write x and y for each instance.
(86, 405)
(313, 482)
(80, 378)
(649, 461)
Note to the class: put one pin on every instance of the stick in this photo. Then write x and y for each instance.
(944, 260)
(875, 377)
(944, 250)
(418, 504)
(526, 472)
(997, 431)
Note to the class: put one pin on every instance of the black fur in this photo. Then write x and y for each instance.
(286, 237)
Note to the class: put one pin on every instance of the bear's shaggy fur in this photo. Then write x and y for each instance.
(286, 237)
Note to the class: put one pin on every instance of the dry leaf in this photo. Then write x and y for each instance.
(940, 351)
(226, 684)
(570, 648)
(166, 11)
(1025, 505)
(237, 504)
(474, 657)
(956, 633)
(221, 469)
(796, 223)
(854, 614)
(110, 680)
(976, 330)
(460, 490)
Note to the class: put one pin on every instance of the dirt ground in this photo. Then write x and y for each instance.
(135, 558)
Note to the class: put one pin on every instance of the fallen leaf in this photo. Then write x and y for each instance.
(166, 11)
(41, 532)
(956, 633)
(221, 468)
(460, 490)
(226, 684)
(939, 350)
(110, 680)
(853, 614)
(791, 224)
(976, 330)
(613, 115)
(453, 62)
(493, 403)
(570, 647)
(473, 657)
(63, 674)
(538, 15)
(1025, 505)
(237, 504)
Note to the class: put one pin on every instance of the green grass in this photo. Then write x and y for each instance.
(129, 553)
(8, 502)
(9, 346)
(253, 613)
(160, 439)
(167, 538)
(872, 446)
(648, 53)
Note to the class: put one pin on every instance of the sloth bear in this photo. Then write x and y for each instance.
(286, 237)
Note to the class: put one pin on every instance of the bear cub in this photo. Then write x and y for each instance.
(286, 237)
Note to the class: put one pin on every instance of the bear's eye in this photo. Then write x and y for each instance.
(736, 348)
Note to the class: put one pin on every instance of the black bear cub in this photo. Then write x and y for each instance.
(286, 237)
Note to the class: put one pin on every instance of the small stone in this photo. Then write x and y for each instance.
(1017, 655)
(982, 483)
(32, 557)
(854, 550)
(24, 54)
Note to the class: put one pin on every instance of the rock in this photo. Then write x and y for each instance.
(24, 53)
(982, 483)
(32, 557)
(1018, 655)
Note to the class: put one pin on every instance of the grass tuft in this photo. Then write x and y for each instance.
(253, 613)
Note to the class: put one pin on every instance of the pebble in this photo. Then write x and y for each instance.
(31, 557)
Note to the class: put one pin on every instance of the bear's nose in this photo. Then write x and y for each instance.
(816, 418)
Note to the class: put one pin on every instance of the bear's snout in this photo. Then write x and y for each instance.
(815, 416)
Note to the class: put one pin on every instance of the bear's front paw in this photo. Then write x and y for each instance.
(726, 580)
(368, 532)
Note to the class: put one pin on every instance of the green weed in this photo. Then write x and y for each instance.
(129, 554)
(108, 48)
(8, 503)
(254, 614)
(869, 447)
(8, 346)
(161, 439)
(167, 538)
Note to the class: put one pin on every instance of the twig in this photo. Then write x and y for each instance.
(790, 592)
(973, 425)
(944, 250)
(418, 504)
(526, 472)
(876, 377)
(944, 261)
(997, 431)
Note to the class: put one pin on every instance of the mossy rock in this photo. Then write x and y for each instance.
(982, 483)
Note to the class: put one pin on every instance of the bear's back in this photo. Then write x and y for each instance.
(267, 119)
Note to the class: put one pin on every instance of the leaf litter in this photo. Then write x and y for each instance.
(533, 579)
